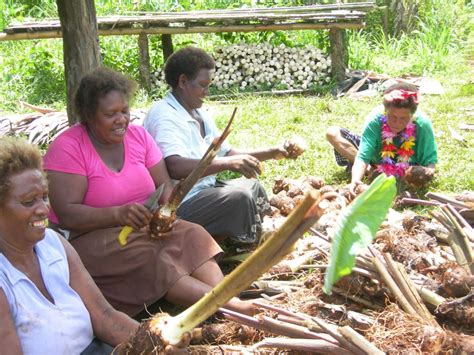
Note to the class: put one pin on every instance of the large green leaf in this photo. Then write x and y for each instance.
(357, 227)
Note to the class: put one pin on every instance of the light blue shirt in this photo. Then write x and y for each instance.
(177, 133)
(43, 327)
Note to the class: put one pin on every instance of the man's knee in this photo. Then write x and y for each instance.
(333, 133)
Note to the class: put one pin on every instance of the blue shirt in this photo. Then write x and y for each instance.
(43, 327)
(177, 133)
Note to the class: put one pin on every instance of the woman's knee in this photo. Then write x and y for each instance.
(239, 194)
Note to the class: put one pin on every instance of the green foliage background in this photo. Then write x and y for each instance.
(32, 70)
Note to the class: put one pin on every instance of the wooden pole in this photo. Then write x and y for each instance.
(80, 45)
(167, 44)
(144, 59)
(338, 54)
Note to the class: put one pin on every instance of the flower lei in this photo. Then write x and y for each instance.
(395, 160)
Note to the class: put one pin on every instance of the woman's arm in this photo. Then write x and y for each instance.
(66, 193)
(159, 174)
(262, 154)
(10, 341)
(110, 325)
(358, 171)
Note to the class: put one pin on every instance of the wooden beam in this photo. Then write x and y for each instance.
(189, 30)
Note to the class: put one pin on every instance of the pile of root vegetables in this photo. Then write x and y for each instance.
(412, 291)
(265, 67)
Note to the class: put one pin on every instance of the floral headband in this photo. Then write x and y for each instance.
(399, 95)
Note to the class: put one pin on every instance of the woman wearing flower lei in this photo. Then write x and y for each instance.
(397, 140)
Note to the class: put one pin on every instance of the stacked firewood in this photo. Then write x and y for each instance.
(262, 66)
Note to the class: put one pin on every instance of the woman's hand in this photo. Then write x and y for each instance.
(356, 187)
(419, 175)
(245, 164)
(134, 215)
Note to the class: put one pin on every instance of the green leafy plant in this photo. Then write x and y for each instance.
(357, 226)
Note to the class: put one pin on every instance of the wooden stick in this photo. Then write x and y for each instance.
(406, 285)
(357, 339)
(314, 346)
(276, 327)
(460, 244)
(391, 284)
(444, 199)
(335, 334)
(326, 327)
(414, 201)
(460, 218)
(362, 301)
(429, 296)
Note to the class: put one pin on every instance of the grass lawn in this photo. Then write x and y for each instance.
(264, 121)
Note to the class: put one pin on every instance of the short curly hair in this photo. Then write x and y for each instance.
(16, 156)
(188, 61)
(408, 103)
(95, 85)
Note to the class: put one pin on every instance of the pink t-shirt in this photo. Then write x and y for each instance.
(72, 152)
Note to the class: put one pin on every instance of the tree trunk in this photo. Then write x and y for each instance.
(80, 45)
(338, 54)
(144, 61)
(404, 14)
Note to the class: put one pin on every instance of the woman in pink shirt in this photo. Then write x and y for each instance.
(100, 172)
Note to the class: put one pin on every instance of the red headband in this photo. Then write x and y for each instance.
(399, 95)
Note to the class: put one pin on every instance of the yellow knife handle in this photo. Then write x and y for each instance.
(124, 233)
